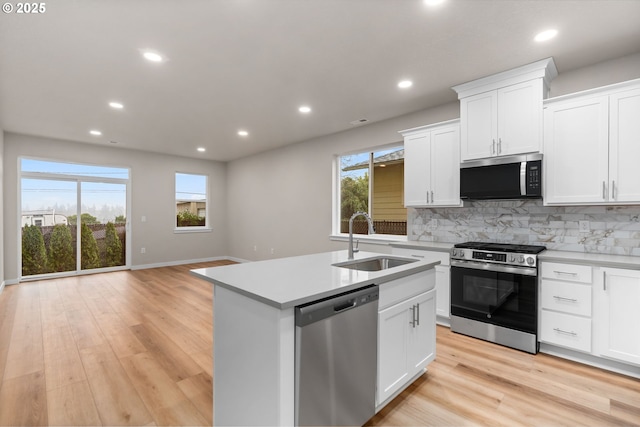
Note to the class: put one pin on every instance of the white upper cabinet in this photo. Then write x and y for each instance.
(501, 115)
(432, 165)
(592, 147)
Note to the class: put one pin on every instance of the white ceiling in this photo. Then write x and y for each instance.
(249, 64)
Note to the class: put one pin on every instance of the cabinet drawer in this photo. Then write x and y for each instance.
(567, 272)
(571, 298)
(404, 288)
(566, 330)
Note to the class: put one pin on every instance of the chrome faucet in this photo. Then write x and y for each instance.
(371, 231)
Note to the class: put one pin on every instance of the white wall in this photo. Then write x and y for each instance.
(153, 196)
(281, 199)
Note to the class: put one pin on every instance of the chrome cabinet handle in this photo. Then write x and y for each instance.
(413, 316)
(560, 331)
(604, 194)
(565, 273)
(558, 297)
(604, 280)
(493, 147)
(499, 145)
(417, 256)
(418, 315)
(432, 196)
(613, 190)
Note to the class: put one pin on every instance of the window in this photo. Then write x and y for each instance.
(191, 201)
(53, 195)
(372, 182)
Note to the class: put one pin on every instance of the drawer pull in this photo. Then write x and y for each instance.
(565, 298)
(566, 273)
(560, 331)
(417, 256)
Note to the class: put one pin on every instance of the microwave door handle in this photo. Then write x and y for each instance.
(523, 178)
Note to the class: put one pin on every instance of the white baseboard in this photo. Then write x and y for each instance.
(588, 359)
(186, 261)
(11, 282)
(1, 286)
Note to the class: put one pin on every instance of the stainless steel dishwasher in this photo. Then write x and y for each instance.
(336, 359)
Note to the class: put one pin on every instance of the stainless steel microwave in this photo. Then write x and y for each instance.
(513, 177)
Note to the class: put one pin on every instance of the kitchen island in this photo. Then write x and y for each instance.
(254, 329)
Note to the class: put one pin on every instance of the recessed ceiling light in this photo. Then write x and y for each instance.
(243, 133)
(404, 84)
(433, 2)
(95, 132)
(202, 149)
(152, 56)
(116, 105)
(304, 109)
(545, 35)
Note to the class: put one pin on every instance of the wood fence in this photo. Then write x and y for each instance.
(360, 226)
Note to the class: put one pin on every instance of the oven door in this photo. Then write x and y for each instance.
(500, 295)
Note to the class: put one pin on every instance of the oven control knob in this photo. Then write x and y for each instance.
(530, 260)
(521, 259)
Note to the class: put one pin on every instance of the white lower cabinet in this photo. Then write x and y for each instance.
(443, 274)
(406, 340)
(593, 310)
(565, 305)
(617, 314)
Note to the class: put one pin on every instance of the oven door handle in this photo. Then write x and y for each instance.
(525, 271)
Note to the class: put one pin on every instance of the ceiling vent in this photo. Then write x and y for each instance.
(358, 122)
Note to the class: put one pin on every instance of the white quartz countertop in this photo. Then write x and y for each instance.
(288, 282)
(600, 260)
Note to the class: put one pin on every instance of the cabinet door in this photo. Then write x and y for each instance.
(617, 316)
(520, 118)
(576, 151)
(443, 298)
(393, 336)
(417, 178)
(422, 335)
(445, 166)
(478, 125)
(624, 143)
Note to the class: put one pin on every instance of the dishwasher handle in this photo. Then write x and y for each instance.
(333, 306)
(344, 306)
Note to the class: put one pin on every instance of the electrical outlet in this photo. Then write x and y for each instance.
(255, 248)
(143, 250)
(272, 251)
(584, 226)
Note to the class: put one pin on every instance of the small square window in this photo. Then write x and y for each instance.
(191, 200)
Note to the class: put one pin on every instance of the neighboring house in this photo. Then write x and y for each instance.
(196, 207)
(43, 218)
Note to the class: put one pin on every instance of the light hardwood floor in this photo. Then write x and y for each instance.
(135, 348)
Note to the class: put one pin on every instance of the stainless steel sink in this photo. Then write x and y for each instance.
(374, 264)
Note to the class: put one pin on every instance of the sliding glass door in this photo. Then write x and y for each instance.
(73, 217)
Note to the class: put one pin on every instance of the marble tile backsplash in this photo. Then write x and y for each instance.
(612, 229)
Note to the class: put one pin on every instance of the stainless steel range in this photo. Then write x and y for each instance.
(494, 293)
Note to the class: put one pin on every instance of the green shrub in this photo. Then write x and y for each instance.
(188, 219)
(114, 246)
(34, 255)
(89, 257)
(61, 249)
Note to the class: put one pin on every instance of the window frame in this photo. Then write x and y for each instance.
(192, 228)
(336, 234)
